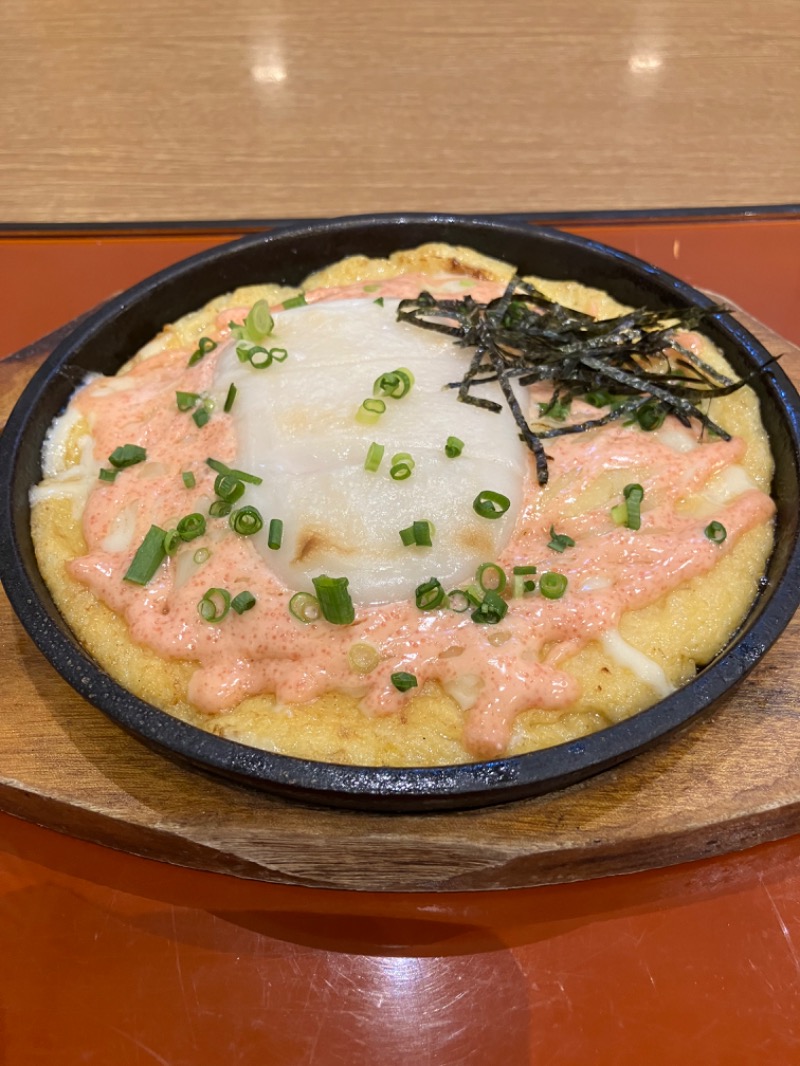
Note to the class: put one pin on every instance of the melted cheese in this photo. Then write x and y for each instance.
(296, 428)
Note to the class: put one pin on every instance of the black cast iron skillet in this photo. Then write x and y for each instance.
(111, 336)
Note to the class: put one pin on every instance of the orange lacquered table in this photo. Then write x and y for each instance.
(117, 960)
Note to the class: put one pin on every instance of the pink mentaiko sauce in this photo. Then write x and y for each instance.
(267, 650)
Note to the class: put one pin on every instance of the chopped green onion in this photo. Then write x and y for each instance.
(187, 400)
(374, 457)
(418, 533)
(275, 534)
(555, 409)
(716, 532)
(523, 582)
(628, 513)
(188, 479)
(429, 595)
(172, 541)
(371, 288)
(243, 602)
(127, 455)
(204, 346)
(149, 556)
(599, 399)
(221, 468)
(201, 416)
(304, 607)
(402, 466)
(522, 585)
(294, 301)
(259, 322)
(228, 487)
(334, 599)
(246, 521)
(559, 542)
(453, 447)
(552, 585)
(490, 504)
(232, 390)
(423, 531)
(474, 594)
(278, 354)
(259, 364)
(246, 353)
(108, 475)
(394, 383)
(492, 609)
(370, 411)
(201, 555)
(214, 605)
(219, 509)
(403, 681)
(458, 601)
(651, 415)
(379, 301)
(191, 527)
(491, 577)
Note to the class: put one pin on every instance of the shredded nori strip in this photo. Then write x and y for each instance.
(634, 358)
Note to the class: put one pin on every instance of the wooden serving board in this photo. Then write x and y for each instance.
(730, 782)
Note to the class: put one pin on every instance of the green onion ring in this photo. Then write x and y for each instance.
(172, 541)
(242, 602)
(553, 585)
(492, 609)
(490, 504)
(370, 411)
(716, 532)
(458, 601)
(205, 345)
(246, 521)
(495, 572)
(214, 605)
(374, 457)
(228, 488)
(305, 607)
(191, 527)
(429, 595)
(259, 322)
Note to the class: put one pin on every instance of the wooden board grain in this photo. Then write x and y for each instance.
(731, 781)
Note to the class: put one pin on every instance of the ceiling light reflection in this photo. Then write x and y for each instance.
(268, 73)
(644, 63)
